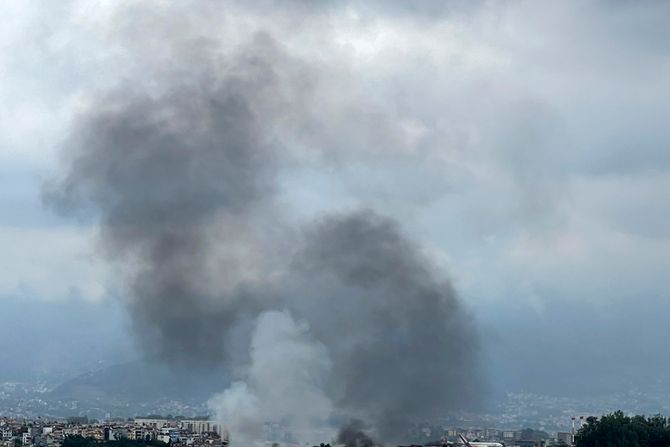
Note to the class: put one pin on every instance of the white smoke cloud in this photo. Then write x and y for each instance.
(283, 384)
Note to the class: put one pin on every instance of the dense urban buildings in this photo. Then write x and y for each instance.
(195, 432)
(47, 433)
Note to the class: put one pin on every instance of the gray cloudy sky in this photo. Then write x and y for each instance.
(523, 145)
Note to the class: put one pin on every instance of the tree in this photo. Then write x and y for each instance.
(78, 441)
(618, 430)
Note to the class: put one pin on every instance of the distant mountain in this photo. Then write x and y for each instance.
(142, 381)
(52, 341)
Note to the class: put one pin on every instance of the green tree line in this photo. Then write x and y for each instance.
(618, 430)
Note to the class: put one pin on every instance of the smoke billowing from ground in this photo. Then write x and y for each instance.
(341, 317)
(284, 381)
(353, 435)
(400, 342)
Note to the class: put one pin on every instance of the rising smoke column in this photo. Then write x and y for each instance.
(285, 383)
(402, 346)
(178, 177)
(184, 178)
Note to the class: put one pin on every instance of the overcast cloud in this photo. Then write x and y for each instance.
(523, 144)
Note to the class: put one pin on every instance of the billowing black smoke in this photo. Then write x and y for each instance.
(398, 337)
(352, 435)
(176, 178)
(185, 180)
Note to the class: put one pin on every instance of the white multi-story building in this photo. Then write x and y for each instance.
(201, 426)
(153, 423)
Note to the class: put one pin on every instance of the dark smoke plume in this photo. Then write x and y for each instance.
(185, 177)
(353, 435)
(402, 346)
(176, 178)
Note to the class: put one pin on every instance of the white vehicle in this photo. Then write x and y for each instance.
(479, 444)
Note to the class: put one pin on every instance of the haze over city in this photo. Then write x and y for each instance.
(375, 217)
